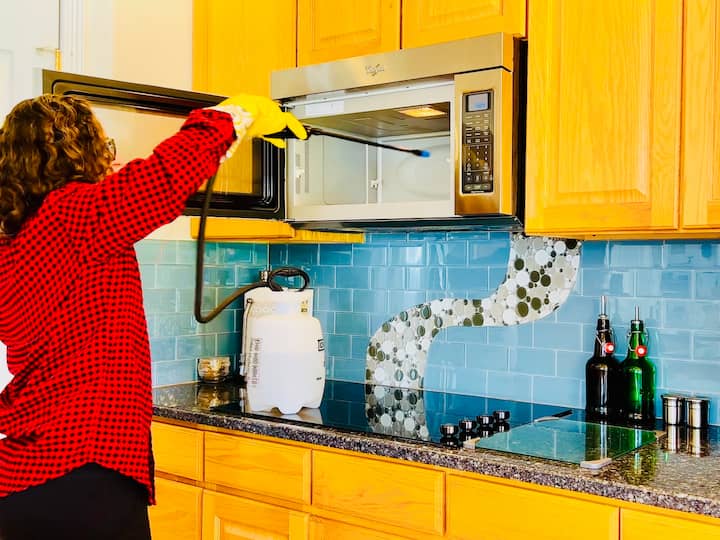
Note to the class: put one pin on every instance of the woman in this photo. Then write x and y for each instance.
(77, 460)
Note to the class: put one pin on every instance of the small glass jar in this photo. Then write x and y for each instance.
(213, 369)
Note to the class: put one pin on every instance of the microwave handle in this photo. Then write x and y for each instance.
(288, 134)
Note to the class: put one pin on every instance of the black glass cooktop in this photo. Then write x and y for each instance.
(407, 414)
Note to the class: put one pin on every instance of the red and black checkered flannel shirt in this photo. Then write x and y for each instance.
(72, 316)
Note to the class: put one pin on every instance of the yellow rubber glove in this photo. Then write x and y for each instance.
(267, 118)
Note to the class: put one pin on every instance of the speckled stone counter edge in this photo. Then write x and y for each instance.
(532, 470)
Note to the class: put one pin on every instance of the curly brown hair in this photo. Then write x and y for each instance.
(45, 143)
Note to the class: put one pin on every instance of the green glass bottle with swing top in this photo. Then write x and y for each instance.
(638, 378)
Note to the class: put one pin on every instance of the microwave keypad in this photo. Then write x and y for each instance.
(477, 143)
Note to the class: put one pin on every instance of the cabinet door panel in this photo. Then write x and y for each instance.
(177, 513)
(262, 467)
(237, 44)
(603, 133)
(328, 30)
(325, 529)
(701, 126)
(235, 47)
(178, 450)
(519, 513)
(434, 21)
(226, 517)
(376, 490)
(636, 525)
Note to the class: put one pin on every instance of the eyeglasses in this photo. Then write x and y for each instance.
(111, 147)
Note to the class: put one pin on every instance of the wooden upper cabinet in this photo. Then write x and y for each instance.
(328, 30)
(237, 44)
(235, 47)
(701, 125)
(603, 127)
(434, 21)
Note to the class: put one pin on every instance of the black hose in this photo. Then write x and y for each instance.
(283, 271)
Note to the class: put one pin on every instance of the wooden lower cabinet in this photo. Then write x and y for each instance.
(178, 450)
(638, 525)
(177, 513)
(326, 529)
(277, 470)
(484, 510)
(228, 517)
(250, 487)
(379, 491)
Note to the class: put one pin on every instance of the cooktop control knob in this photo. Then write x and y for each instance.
(467, 425)
(485, 421)
(501, 416)
(450, 435)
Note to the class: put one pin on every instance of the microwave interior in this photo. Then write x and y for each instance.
(332, 178)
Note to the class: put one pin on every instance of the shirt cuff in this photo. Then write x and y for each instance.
(241, 122)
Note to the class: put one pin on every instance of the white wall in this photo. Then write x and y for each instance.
(139, 40)
(28, 39)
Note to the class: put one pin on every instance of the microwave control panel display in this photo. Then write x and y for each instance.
(477, 142)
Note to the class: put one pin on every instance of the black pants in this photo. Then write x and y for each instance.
(89, 503)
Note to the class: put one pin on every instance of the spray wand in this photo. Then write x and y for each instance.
(287, 134)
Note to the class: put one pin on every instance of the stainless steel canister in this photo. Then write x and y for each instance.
(673, 409)
(696, 411)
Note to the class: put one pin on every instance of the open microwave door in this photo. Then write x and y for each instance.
(139, 116)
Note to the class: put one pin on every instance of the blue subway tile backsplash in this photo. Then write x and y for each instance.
(675, 284)
(168, 275)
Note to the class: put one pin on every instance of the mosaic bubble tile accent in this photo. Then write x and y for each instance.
(541, 273)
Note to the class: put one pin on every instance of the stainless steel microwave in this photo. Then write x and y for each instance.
(463, 102)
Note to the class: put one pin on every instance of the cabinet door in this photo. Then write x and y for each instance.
(177, 513)
(228, 517)
(518, 513)
(701, 128)
(434, 21)
(178, 450)
(636, 525)
(384, 492)
(325, 529)
(235, 47)
(603, 126)
(328, 30)
(276, 470)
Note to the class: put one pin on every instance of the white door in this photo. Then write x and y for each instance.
(29, 35)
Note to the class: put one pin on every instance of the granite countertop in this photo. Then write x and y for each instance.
(687, 479)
